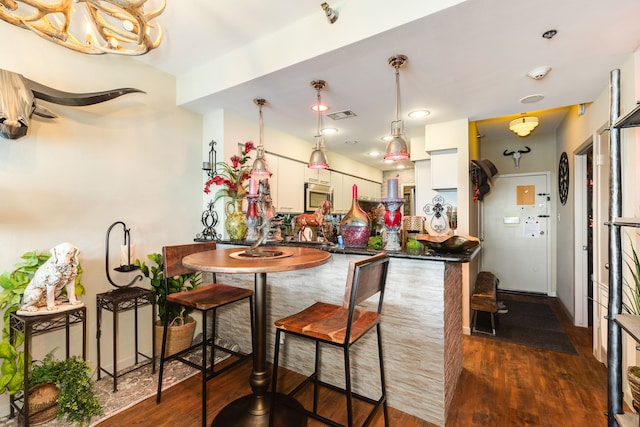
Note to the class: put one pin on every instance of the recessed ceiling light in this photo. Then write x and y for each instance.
(373, 153)
(385, 138)
(329, 131)
(319, 107)
(417, 114)
(532, 98)
(400, 166)
(388, 161)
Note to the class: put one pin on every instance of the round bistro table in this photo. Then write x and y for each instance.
(253, 409)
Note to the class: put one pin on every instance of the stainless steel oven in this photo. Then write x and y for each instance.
(315, 194)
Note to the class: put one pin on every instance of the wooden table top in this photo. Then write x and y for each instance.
(230, 260)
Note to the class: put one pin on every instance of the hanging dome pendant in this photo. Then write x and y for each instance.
(397, 145)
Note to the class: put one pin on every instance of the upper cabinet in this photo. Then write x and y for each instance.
(286, 183)
(317, 176)
(446, 136)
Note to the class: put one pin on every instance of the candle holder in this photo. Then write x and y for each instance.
(253, 218)
(209, 220)
(126, 256)
(392, 222)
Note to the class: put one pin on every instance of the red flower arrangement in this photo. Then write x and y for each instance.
(232, 176)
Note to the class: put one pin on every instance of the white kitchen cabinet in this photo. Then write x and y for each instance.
(286, 183)
(290, 186)
(317, 176)
(444, 167)
(339, 205)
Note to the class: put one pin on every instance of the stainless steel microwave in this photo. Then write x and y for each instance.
(315, 194)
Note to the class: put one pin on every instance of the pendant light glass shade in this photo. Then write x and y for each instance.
(523, 126)
(318, 158)
(260, 168)
(397, 145)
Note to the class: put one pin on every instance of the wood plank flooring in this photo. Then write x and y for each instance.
(502, 384)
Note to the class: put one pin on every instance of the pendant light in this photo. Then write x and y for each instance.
(397, 145)
(318, 159)
(259, 168)
(524, 125)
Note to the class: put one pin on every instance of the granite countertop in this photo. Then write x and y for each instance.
(424, 254)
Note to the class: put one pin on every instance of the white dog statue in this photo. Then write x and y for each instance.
(56, 273)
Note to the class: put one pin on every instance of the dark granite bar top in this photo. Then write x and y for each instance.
(424, 254)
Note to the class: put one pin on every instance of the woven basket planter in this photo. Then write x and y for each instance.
(43, 403)
(634, 385)
(179, 335)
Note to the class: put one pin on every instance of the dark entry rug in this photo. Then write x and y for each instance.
(527, 323)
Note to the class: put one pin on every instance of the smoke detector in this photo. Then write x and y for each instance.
(539, 72)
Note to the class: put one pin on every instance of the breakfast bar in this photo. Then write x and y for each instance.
(421, 325)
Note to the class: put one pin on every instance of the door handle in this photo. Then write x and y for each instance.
(543, 216)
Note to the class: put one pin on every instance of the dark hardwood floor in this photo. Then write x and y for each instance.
(502, 384)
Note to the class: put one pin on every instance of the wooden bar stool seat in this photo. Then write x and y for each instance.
(205, 299)
(341, 326)
(484, 299)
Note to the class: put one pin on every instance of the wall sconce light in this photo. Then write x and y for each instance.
(524, 125)
(260, 169)
(318, 159)
(210, 166)
(118, 27)
(126, 256)
(397, 145)
(332, 15)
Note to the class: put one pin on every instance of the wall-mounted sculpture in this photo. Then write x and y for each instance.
(18, 102)
(517, 155)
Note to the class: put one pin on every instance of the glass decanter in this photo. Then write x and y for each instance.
(354, 226)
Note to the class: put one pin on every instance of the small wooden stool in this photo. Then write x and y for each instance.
(484, 299)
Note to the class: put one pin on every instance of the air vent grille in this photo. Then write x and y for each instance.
(344, 114)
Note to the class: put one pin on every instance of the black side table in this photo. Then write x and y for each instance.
(117, 301)
(34, 325)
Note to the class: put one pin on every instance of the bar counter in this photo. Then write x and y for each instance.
(421, 326)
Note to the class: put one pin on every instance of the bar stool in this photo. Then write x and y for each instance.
(204, 299)
(341, 326)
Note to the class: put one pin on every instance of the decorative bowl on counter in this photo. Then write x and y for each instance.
(449, 244)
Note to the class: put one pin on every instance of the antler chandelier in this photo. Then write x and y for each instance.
(90, 26)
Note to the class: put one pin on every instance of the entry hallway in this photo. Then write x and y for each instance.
(501, 385)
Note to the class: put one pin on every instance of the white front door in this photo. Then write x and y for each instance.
(515, 232)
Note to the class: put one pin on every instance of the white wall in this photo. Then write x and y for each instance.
(136, 158)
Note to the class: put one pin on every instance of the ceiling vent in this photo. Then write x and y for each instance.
(339, 115)
(539, 72)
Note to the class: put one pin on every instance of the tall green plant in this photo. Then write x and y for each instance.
(179, 283)
(631, 302)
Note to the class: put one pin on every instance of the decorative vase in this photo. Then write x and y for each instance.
(354, 227)
(236, 223)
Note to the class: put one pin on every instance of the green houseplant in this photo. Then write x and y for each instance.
(12, 287)
(631, 305)
(182, 325)
(77, 401)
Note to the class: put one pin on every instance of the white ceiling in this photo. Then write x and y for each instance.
(468, 60)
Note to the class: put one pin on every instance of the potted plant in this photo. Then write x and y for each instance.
(181, 324)
(12, 287)
(631, 305)
(75, 397)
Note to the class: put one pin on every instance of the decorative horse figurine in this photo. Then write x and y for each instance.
(315, 219)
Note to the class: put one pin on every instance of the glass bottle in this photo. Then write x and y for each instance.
(354, 226)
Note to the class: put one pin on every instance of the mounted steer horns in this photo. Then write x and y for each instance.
(516, 155)
(18, 95)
